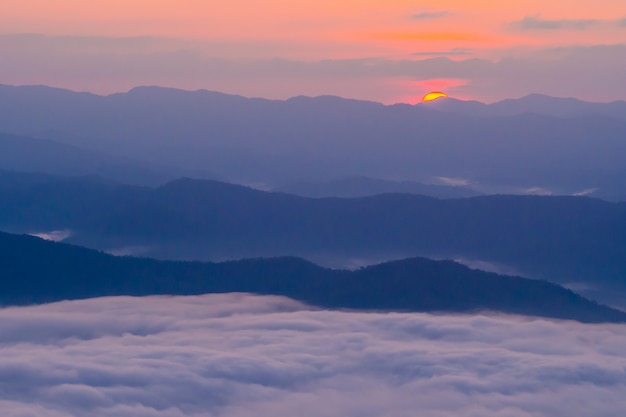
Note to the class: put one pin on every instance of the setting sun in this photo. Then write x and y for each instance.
(434, 95)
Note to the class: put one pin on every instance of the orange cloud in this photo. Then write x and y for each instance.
(433, 36)
(440, 83)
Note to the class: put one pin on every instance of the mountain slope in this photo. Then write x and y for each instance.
(34, 270)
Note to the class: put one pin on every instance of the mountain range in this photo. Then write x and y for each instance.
(536, 144)
(533, 103)
(348, 179)
(34, 271)
(570, 240)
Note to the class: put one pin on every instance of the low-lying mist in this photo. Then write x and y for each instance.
(240, 355)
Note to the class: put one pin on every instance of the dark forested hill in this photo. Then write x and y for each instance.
(566, 239)
(34, 202)
(34, 270)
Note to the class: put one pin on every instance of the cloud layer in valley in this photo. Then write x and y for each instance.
(239, 355)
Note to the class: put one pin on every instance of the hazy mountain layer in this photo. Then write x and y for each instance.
(532, 145)
(533, 103)
(21, 153)
(34, 270)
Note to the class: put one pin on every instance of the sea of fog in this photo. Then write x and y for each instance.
(242, 356)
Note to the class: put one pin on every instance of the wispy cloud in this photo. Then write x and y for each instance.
(489, 266)
(55, 236)
(432, 15)
(243, 356)
(128, 251)
(452, 182)
(585, 192)
(451, 52)
(537, 191)
(432, 36)
(535, 22)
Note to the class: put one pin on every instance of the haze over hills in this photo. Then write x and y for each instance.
(35, 270)
(22, 153)
(572, 147)
(565, 239)
(318, 147)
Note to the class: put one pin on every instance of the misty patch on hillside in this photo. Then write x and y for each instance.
(54, 235)
(489, 266)
(363, 186)
(128, 250)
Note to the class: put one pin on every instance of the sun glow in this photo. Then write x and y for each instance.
(434, 95)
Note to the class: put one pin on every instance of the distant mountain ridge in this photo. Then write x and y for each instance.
(35, 271)
(566, 239)
(533, 103)
(572, 146)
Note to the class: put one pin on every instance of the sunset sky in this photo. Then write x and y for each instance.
(388, 51)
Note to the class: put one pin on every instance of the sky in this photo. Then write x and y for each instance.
(388, 51)
(239, 355)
